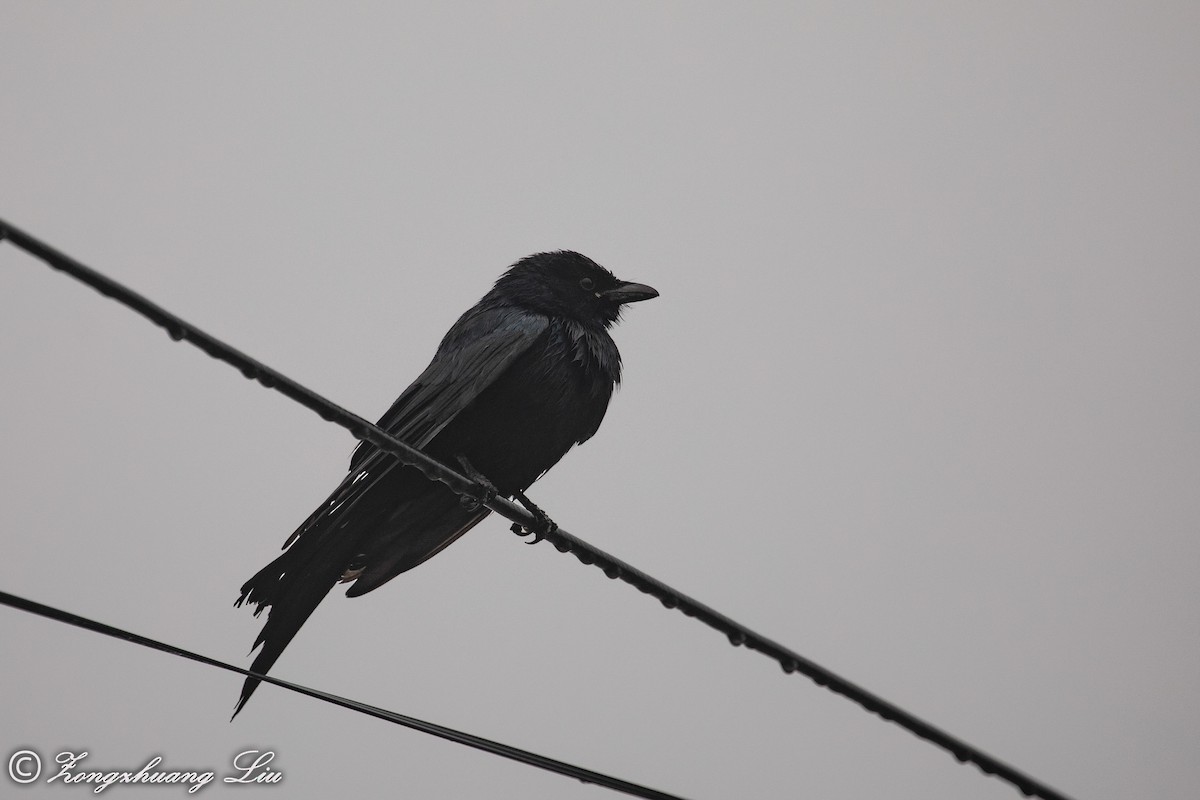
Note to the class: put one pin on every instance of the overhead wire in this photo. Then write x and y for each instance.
(737, 634)
(433, 729)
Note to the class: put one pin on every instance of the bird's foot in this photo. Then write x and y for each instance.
(544, 526)
(489, 489)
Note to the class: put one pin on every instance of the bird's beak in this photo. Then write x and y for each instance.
(629, 293)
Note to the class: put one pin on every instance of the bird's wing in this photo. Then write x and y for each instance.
(473, 354)
(476, 351)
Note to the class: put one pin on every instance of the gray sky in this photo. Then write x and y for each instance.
(918, 398)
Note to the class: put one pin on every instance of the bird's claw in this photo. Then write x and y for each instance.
(542, 533)
(489, 489)
(543, 525)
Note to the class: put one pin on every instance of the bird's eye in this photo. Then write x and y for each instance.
(587, 283)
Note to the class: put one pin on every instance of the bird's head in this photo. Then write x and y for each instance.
(567, 284)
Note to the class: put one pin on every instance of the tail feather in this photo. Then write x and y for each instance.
(292, 585)
(313, 560)
(383, 519)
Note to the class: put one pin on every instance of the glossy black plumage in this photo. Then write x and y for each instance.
(518, 380)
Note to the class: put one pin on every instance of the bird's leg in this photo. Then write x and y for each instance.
(545, 525)
(489, 489)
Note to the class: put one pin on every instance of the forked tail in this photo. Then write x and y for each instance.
(292, 585)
